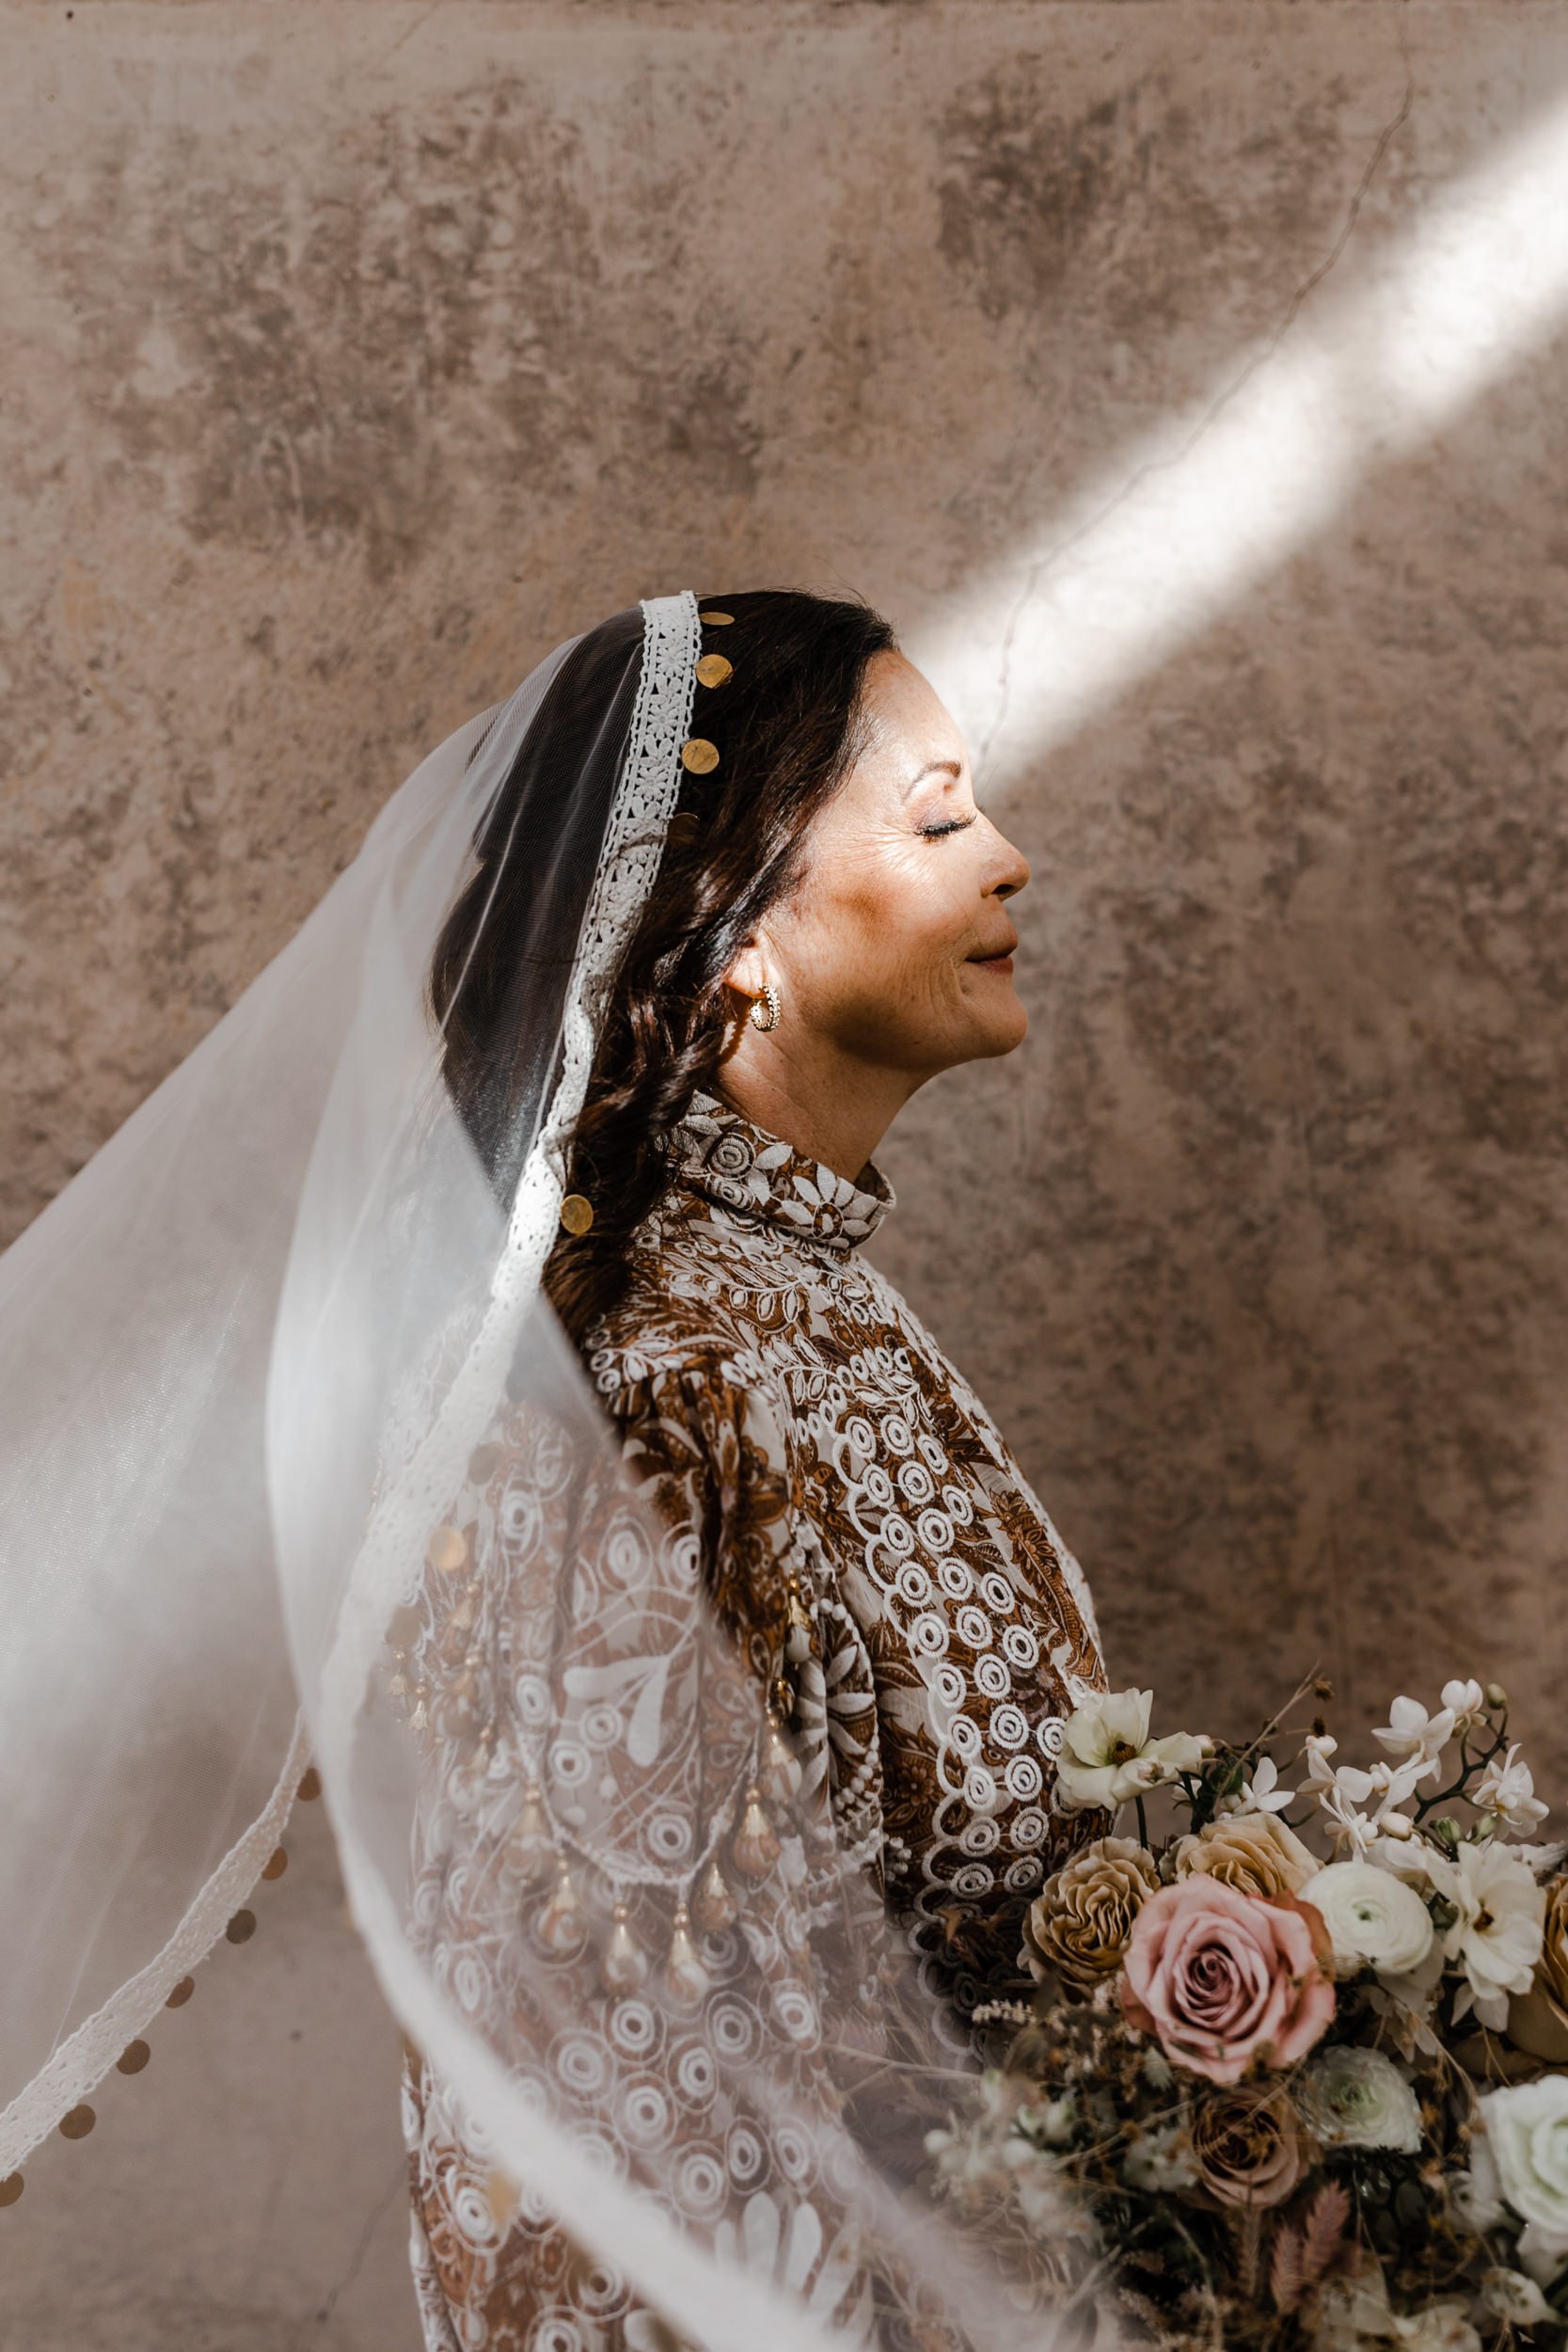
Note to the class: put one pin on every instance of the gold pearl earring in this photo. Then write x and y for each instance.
(765, 1010)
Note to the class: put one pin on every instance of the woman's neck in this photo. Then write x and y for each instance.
(833, 1109)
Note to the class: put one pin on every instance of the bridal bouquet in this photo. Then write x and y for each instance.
(1299, 2095)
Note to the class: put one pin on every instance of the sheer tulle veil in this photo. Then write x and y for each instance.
(255, 1363)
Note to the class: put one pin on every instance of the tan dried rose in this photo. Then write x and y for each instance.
(1538, 2020)
(1247, 2145)
(1079, 1923)
(1254, 1852)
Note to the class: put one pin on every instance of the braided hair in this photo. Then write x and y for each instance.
(788, 725)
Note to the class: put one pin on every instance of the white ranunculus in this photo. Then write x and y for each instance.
(1526, 2134)
(1373, 1918)
(1108, 1757)
(1351, 2098)
(1496, 1936)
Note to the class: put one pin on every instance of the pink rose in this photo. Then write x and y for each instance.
(1222, 1978)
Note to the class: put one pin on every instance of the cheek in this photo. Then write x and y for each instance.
(883, 939)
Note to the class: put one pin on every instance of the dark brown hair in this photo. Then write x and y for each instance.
(786, 726)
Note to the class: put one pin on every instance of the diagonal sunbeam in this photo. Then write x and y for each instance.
(1222, 492)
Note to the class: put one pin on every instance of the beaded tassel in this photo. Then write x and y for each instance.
(780, 1768)
(714, 1906)
(754, 1847)
(562, 1929)
(625, 1964)
(686, 1979)
(532, 1848)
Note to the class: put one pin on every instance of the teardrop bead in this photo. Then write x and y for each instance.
(686, 1979)
(780, 1768)
(714, 1906)
(625, 1964)
(562, 1929)
(532, 1850)
(754, 1847)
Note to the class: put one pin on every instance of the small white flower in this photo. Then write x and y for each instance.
(1509, 2295)
(1411, 1732)
(1496, 1936)
(1263, 1792)
(1373, 1918)
(1526, 2132)
(1466, 1703)
(1508, 1789)
(1160, 2160)
(1109, 1758)
(1354, 2098)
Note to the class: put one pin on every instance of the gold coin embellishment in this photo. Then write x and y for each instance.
(180, 1994)
(78, 2123)
(310, 1786)
(241, 1927)
(10, 2188)
(447, 1550)
(700, 755)
(717, 620)
(713, 669)
(576, 1213)
(277, 1862)
(132, 2057)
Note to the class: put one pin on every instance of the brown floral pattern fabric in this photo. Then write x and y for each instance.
(868, 1540)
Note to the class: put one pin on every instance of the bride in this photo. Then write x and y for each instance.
(477, 1341)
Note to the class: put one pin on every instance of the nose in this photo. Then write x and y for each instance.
(1009, 868)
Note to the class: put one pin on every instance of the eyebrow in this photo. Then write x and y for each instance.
(931, 766)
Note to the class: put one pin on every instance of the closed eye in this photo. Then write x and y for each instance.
(952, 824)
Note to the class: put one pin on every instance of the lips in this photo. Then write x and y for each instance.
(998, 956)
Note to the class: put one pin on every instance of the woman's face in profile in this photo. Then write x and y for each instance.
(896, 945)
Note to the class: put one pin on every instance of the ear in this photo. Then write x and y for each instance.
(748, 973)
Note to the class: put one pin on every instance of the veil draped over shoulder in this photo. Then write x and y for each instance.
(297, 1464)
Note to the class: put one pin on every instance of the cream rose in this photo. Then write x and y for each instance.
(1254, 1852)
(1079, 1922)
(1526, 2136)
(1374, 1920)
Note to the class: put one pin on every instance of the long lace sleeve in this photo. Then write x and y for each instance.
(629, 1874)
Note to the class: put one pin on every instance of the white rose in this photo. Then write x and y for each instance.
(1108, 1757)
(1526, 2132)
(1351, 2098)
(1373, 1920)
(1496, 1936)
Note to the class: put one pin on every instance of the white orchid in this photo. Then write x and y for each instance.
(1353, 1802)
(1109, 1758)
(1263, 1792)
(1508, 1789)
(1412, 1733)
(1466, 1703)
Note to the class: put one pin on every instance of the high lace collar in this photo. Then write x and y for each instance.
(719, 1153)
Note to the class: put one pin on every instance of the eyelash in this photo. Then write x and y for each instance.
(938, 832)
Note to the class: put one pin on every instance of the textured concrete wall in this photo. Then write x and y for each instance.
(354, 356)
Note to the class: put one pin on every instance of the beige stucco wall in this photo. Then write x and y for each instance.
(1184, 381)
